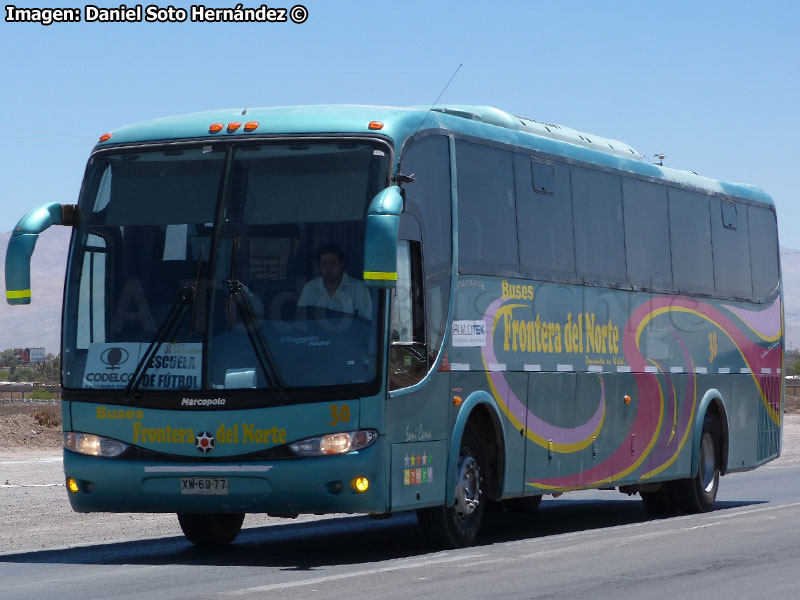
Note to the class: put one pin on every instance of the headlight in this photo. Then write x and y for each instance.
(94, 445)
(335, 443)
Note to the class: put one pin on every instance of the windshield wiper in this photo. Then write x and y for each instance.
(265, 359)
(167, 329)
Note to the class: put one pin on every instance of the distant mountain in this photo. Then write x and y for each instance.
(39, 323)
(790, 266)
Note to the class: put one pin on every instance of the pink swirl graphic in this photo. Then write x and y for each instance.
(657, 421)
(516, 409)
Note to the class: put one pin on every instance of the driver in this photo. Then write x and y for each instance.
(335, 289)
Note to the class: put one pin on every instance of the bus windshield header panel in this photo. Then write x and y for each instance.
(224, 267)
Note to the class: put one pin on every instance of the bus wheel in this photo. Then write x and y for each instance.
(699, 493)
(210, 530)
(457, 526)
(660, 503)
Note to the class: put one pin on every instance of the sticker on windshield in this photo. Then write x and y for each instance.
(110, 366)
(174, 367)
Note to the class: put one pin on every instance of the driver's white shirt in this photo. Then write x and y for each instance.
(350, 297)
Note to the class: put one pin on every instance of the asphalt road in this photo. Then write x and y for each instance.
(594, 545)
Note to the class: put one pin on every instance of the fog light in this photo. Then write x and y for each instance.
(360, 484)
(72, 485)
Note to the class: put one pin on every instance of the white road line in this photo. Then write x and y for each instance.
(744, 513)
(27, 485)
(633, 526)
(104, 574)
(470, 560)
(363, 573)
(702, 526)
(31, 462)
(627, 531)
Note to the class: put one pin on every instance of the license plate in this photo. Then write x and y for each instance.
(211, 486)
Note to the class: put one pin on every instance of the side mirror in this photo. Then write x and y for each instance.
(21, 245)
(380, 243)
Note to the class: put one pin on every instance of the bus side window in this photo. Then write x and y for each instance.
(730, 250)
(408, 356)
(690, 242)
(647, 249)
(599, 228)
(428, 201)
(487, 236)
(544, 218)
(763, 251)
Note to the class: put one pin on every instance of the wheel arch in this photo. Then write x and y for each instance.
(711, 404)
(480, 409)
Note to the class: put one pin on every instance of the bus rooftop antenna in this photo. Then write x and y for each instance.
(439, 96)
(400, 177)
(244, 112)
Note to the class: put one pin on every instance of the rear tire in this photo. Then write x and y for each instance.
(210, 530)
(457, 526)
(660, 503)
(699, 493)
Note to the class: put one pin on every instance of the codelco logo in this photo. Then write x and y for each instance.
(203, 402)
(114, 357)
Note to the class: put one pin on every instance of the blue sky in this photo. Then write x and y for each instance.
(713, 85)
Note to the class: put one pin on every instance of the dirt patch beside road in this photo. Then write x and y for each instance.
(30, 426)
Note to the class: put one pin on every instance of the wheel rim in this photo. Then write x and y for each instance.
(708, 466)
(468, 489)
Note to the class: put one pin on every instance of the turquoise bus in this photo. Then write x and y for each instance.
(365, 309)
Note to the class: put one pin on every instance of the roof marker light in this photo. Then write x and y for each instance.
(105, 137)
(233, 126)
(375, 125)
(215, 127)
(251, 125)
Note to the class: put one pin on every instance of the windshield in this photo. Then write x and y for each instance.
(224, 267)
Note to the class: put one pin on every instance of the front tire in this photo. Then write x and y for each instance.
(457, 526)
(210, 530)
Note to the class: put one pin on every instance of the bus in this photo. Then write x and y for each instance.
(366, 309)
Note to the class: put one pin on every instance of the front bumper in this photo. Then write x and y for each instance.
(303, 485)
